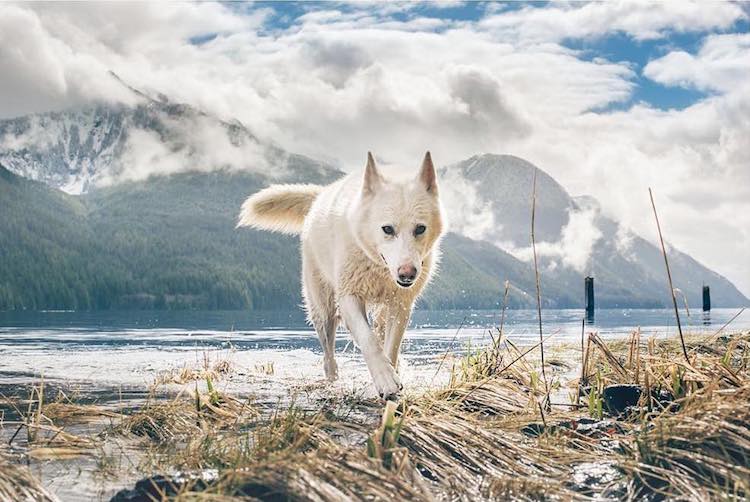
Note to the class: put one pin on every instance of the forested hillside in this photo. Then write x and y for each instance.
(171, 243)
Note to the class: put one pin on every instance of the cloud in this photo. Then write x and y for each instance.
(624, 239)
(340, 81)
(30, 133)
(484, 101)
(474, 216)
(640, 20)
(190, 143)
(721, 64)
(469, 214)
(40, 72)
(57, 55)
(577, 240)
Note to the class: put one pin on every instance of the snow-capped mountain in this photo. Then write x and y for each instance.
(78, 149)
(66, 150)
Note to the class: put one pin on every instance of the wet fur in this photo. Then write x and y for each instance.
(346, 273)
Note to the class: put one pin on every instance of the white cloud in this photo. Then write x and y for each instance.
(624, 242)
(577, 241)
(722, 64)
(40, 72)
(468, 213)
(35, 134)
(197, 144)
(336, 84)
(640, 20)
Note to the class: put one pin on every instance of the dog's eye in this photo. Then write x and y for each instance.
(420, 229)
(388, 230)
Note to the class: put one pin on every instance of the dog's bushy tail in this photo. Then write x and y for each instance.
(279, 208)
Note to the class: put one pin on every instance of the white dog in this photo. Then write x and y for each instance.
(369, 246)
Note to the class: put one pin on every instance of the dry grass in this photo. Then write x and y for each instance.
(45, 422)
(701, 452)
(466, 441)
(17, 484)
(166, 420)
(185, 374)
(324, 474)
(693, 429)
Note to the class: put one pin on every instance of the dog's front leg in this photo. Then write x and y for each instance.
(398, 319)
(383, 375)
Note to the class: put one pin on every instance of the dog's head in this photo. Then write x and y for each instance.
(399, 222)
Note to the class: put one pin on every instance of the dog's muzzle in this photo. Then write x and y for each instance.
(407, 274)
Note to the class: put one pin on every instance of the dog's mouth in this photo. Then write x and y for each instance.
(403, 284)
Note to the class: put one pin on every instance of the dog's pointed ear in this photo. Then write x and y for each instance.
(372, 179)
(427, 175)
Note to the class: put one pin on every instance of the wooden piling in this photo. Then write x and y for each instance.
(706, 298)
(589, 297)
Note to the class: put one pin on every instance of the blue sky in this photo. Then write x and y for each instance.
(615, 46)
(621, 47)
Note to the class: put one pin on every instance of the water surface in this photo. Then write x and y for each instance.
(131, 348)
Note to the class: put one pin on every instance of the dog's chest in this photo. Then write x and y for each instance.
(373, 284)
(362, 278)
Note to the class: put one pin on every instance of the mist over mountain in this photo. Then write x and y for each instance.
(134, 206)
(102, 144)
(573, 237)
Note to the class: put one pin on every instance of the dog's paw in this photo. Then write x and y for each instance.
(386, 382)
(331, 369)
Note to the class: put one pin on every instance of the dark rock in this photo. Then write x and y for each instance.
(158, 487)
(663, 397)
(534, 429)
(147, 490)
(618, 398)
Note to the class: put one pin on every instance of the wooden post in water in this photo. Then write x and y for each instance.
(706, 298)
(589, 298)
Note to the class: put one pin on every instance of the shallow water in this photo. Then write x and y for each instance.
(131, 348)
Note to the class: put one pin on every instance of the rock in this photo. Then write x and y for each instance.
(597, 429)
(618, 398)
(147, 490)
(158, 486)
(533, 429)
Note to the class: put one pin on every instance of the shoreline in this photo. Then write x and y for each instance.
(109, 436)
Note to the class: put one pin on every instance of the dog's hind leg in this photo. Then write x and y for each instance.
(321, 312)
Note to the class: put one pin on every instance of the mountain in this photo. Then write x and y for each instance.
(78, 149)
(170, 242)
(574, 238)
(166, 243)
(92, 221)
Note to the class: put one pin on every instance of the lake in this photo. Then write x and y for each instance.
(130, 349)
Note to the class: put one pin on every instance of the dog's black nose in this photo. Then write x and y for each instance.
(407, 274)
